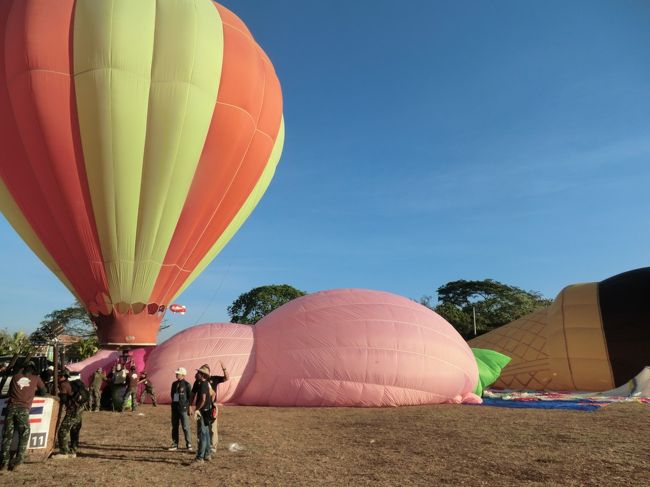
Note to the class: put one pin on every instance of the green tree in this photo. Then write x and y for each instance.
(83, 349)
(495, 304)
(254, 305)
(14, 343)
(75, 321)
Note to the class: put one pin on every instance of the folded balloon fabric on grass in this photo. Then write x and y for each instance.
(580, 405)
(635, 390)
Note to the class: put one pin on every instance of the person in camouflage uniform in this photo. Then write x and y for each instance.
(22, 390)
(148, 389)
(131, 389)
(96, 381)
(68, 436)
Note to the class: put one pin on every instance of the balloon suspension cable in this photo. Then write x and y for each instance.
(223, 279)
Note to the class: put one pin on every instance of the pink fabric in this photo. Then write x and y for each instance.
(106, 359)
(228, 343)
(354, 347)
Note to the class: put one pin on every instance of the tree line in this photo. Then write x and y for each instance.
(488, 304)
(466, 305)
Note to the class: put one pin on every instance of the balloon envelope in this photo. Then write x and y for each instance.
(136, 139)
(594, 337)
(212, 344)
(355, 347)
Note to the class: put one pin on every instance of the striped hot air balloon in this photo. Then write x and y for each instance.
(136, 137)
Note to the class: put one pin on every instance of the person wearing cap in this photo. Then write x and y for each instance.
(202, 410)
(180, 394)
(118, 388)
(96, 381)
(131, 389)
(214, 382)
(22, 389)
(47, 376)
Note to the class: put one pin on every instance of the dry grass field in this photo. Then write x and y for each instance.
(428, 445)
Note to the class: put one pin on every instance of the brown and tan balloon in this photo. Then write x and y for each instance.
(594, 337)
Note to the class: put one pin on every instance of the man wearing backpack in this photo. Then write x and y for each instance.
(73, 396)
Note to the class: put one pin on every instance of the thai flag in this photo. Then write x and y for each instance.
(35, 413)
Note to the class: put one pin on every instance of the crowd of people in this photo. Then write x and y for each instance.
(197, 401)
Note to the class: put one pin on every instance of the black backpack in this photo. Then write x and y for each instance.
(80, 393)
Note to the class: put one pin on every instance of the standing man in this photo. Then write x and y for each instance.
(22, 390)
(215, 380)
(180, 394)
(96, 381)
(131, 389)
(202, 414)
(68, 437)
(47, 376)
(118, 388)
(148, 388)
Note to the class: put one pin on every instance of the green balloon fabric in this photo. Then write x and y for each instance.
(490, 364)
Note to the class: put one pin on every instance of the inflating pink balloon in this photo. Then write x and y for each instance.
(354, 347)
(213, 344)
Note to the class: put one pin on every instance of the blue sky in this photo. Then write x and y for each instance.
(430, 141)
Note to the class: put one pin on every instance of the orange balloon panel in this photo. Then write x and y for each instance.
(137, 137)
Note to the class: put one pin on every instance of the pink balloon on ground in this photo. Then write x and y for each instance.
(354, 347)
(211, 344)
(106, 359)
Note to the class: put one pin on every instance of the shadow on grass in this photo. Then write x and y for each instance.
(118, 448)
(103, 456)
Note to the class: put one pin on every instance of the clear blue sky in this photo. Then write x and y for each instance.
(430, 141)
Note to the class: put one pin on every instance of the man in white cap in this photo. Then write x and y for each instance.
(180, 395)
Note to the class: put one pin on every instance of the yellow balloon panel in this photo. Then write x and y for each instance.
(558, 348)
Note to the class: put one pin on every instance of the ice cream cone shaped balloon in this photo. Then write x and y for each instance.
(594, 337)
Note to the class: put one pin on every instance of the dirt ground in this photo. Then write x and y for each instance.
(428, 445)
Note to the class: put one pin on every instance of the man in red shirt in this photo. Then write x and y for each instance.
(22, 390)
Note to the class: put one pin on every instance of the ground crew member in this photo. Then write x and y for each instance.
(148, 389)
(68, 436)
(131, 389)
(22, 389)
(214, 382)
(180, 394)
(96, 381)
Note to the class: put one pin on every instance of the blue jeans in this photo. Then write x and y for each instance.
(179, 415)
(203, 427)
